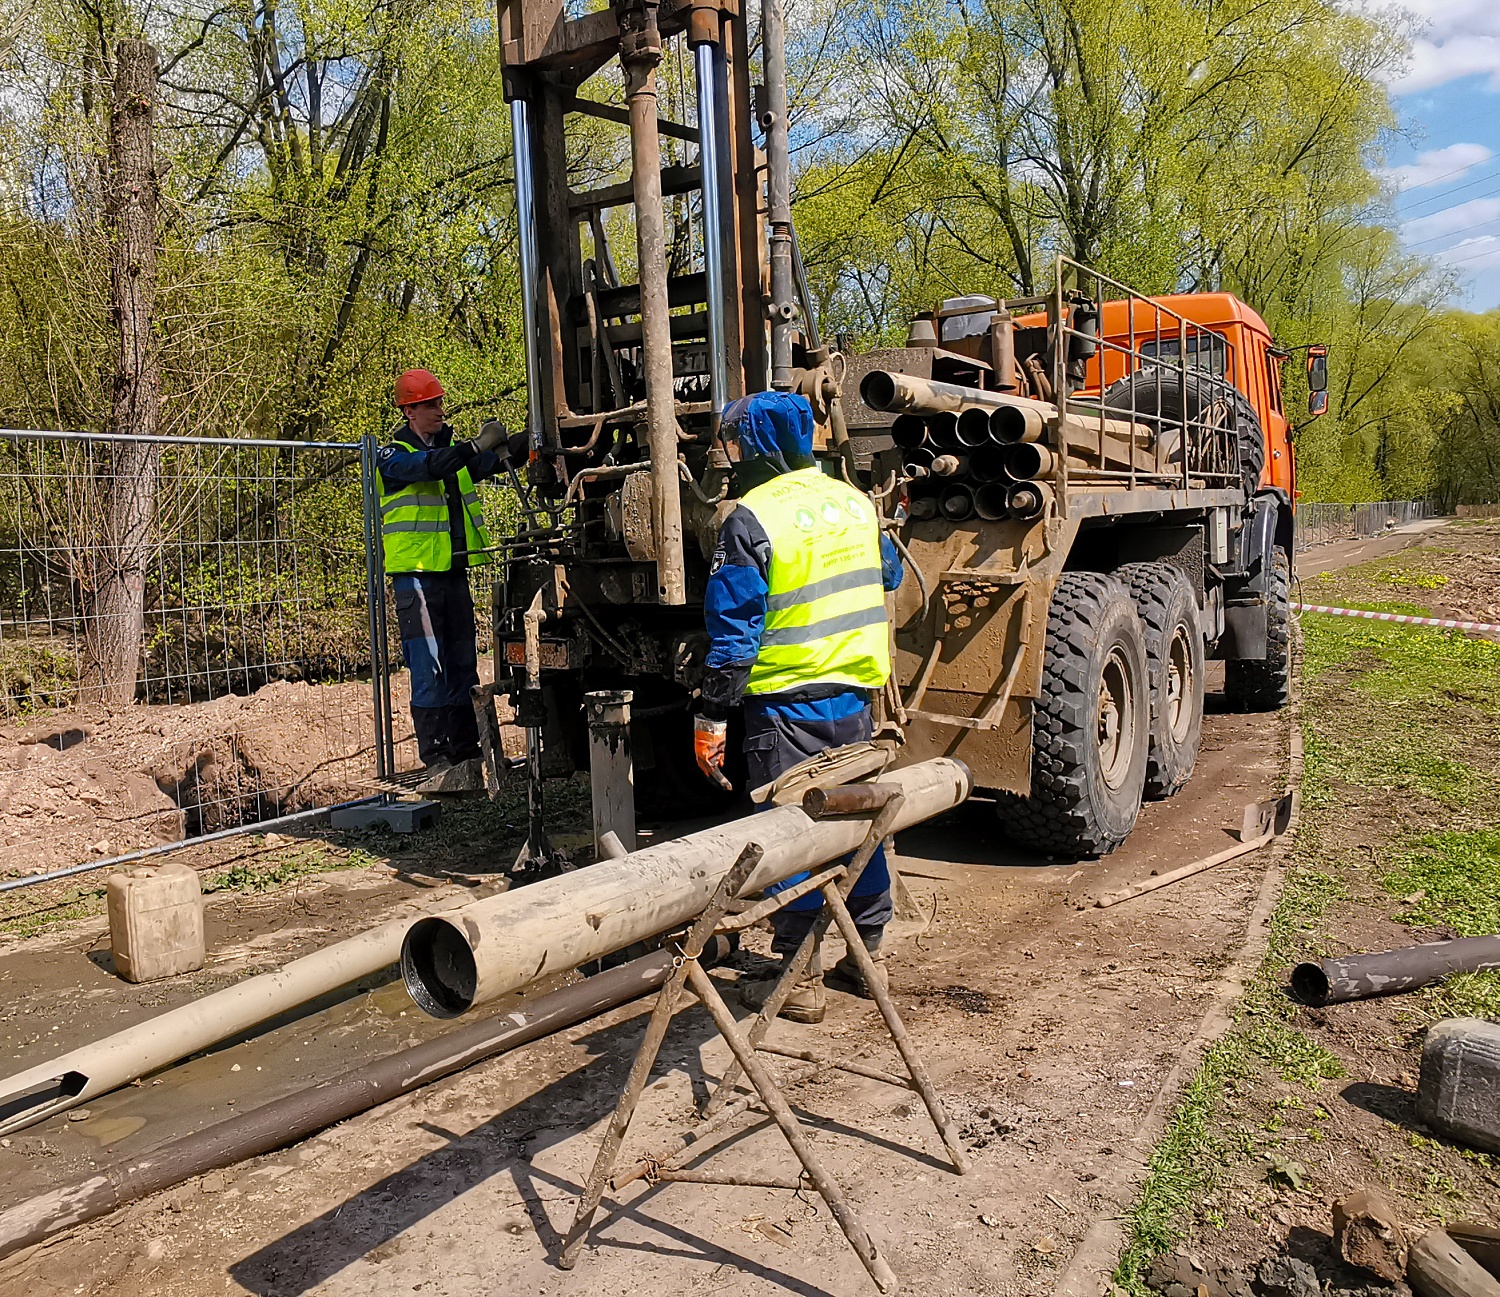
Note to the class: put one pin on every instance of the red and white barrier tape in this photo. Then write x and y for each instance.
(1444, 623)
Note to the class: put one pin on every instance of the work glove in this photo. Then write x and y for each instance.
(708, 747)
(492, 436)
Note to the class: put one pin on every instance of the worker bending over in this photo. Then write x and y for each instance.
(795, 608)
(432, 532)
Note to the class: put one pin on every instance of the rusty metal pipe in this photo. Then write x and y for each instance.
(293, 1118)
(640, 52)
(500, 944)
(992, 501)
(1028, 500)
(611, 769)
(1389, 972)
(1026, 460)
(778, 191)
(987, 464)
(909, 431)
(847, 799)
(1010, 425)
(893, 392)
(956, 503)
(973, 427)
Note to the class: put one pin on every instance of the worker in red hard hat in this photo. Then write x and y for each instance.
(432, 531)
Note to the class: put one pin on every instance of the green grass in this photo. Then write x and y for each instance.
(261, 875)
(1403, 723)
(26, 914)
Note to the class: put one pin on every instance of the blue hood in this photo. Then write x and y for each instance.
(774, 426)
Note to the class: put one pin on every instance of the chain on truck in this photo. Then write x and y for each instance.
(1094, 489)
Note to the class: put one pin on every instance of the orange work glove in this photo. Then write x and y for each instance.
(708, 747)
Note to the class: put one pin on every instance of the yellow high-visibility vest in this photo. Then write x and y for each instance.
(825, 605)
(414, 524)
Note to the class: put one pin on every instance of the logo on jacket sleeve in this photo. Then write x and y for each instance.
(718, 561)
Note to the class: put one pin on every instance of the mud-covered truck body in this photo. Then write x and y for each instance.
(1095, 492)
(1093, 488)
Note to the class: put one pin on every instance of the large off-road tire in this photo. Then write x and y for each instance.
(1157, 399)
(1266, 686)
(1168, 609)
(1090, 726)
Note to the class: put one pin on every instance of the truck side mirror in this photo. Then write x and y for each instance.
(1317, 403)
(1317, 369)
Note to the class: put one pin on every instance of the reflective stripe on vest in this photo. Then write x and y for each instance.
(825, 605)
(414, 524)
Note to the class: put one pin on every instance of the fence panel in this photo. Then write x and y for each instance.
(236, 571)
(1319, 523)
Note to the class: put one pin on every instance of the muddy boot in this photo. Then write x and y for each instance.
(806, 1003)
(845, 975)
(465, 777)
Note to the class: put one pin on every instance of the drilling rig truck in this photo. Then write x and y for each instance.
(1093, 489)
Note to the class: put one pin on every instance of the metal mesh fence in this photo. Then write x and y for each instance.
(184, 639)
(1319, 523)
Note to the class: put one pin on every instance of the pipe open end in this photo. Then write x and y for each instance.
(438, 967)
(1310, 984)
(877, 389)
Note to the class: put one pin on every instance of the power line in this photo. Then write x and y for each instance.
(1488, 252)
(1437, 180)
(1443, 198)
(1448, 234)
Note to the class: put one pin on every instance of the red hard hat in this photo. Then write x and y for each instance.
(417, 385)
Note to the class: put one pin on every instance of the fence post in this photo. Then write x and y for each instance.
(380, 679)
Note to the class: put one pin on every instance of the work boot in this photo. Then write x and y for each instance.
(465, 777)
(806, 1003)
(845, 975)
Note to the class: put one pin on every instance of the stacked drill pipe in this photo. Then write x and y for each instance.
(972, 453)
(985, 461)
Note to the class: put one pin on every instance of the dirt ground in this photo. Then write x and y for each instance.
(84, 785)
(1050, 1028)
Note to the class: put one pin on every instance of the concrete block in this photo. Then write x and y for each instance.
(398, 817)
(1458, 1094)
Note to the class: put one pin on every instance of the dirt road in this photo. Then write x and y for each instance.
(1050, 1027)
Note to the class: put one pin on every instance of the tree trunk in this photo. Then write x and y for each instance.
(117, 615)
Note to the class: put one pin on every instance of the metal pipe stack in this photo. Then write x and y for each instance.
(982, 461)
(969, 453)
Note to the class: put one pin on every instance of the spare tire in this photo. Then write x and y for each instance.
(1157, 397)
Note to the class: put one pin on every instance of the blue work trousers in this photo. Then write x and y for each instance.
(435, 612)
(776, 739)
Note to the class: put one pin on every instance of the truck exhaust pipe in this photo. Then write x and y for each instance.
(485, 950)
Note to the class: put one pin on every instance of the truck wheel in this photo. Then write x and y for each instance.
(1174, 661)
(1266, 686)
(1090, 726)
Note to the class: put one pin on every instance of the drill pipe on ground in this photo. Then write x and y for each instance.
(297, 1116)
(454, 962)
(117, 1060)
(1389, 972)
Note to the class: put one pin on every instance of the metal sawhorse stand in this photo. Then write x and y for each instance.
(881, 803)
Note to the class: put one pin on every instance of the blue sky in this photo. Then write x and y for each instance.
(1446, 166)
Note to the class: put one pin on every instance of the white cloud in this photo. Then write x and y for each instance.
(1434, 63)
(1460, 38)
(1439, 164)
(1461, 216)
(1482, 253)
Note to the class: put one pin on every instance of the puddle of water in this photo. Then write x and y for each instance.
(109, 1129)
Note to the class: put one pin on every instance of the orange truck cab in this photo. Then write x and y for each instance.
(1231, 341)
